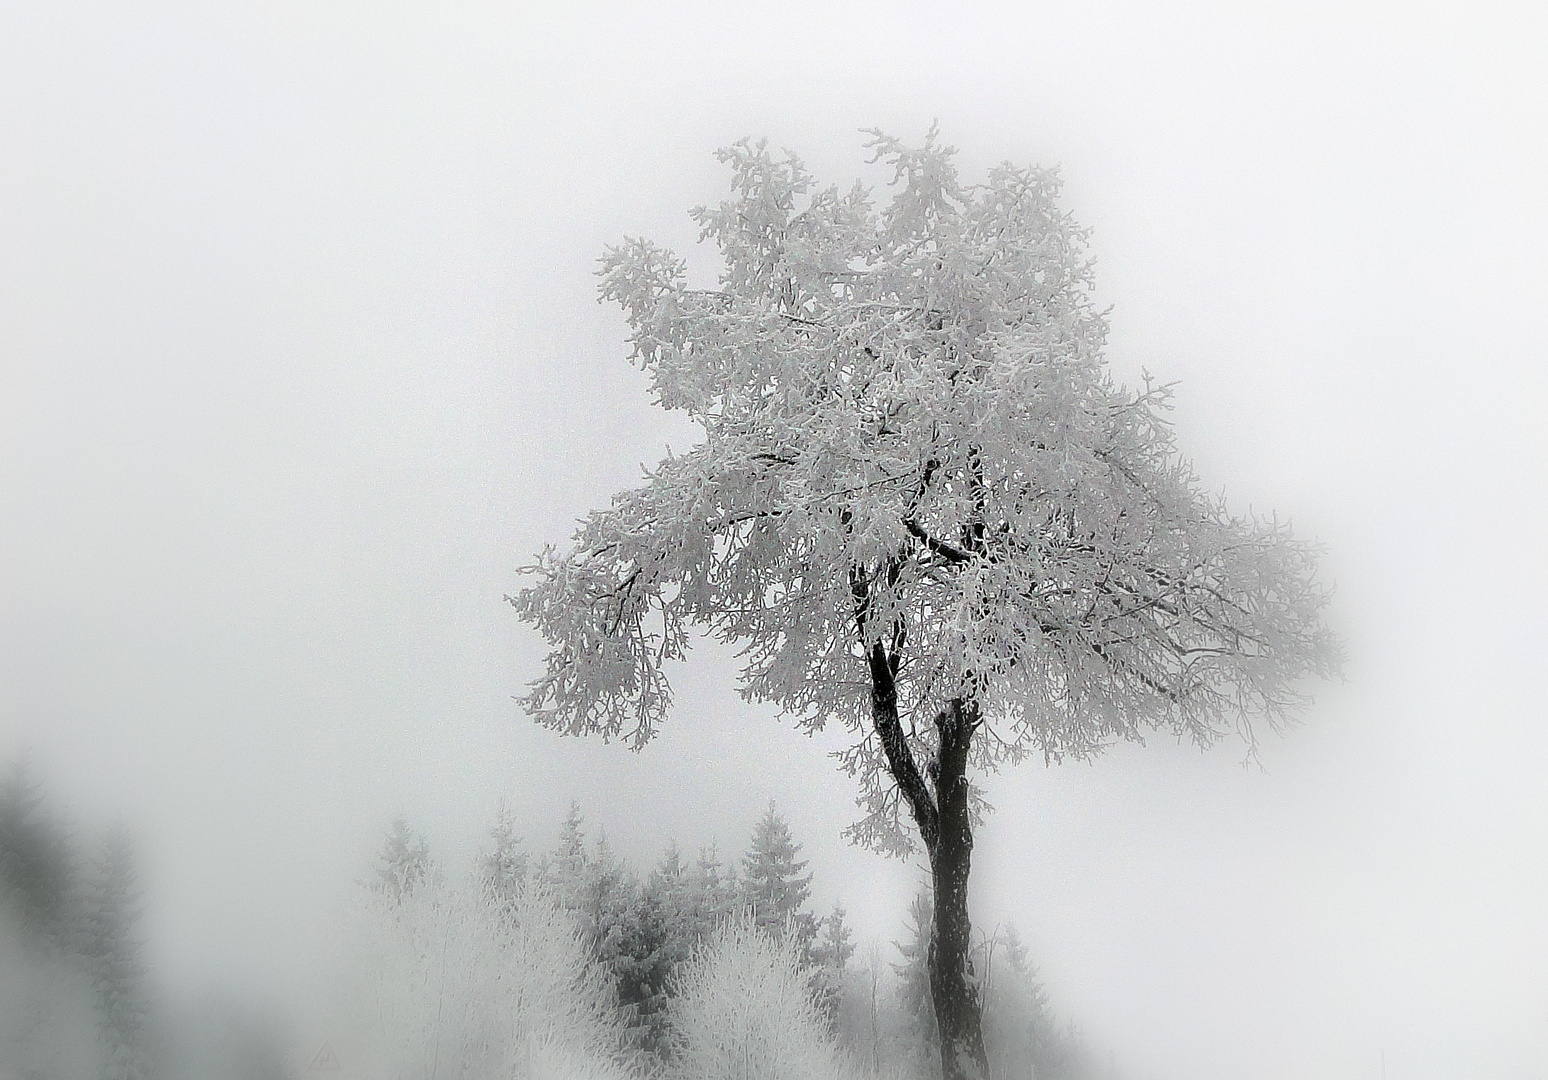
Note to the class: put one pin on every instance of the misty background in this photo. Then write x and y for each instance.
(300, 360)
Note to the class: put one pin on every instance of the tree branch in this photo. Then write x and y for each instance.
(900, 759)
(1150, 681)
(939, 547)
(884, 717)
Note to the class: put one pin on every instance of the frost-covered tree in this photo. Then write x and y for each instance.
(504, 865)
(622, 923)
(642, 962)
(459, 981)
(922, 508)
(836, 944)
(567, 869)
(607, 901)
(670, 887)
(743, 1011)
(712, 889)
(403, 863)
(773, 885)
(668, 930)
(830, 954)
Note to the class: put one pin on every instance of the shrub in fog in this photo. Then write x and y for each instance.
(462, 981)
(744, 1011)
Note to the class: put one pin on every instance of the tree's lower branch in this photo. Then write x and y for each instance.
(900, 759)
(884, 716)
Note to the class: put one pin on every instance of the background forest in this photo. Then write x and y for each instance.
(567, 963)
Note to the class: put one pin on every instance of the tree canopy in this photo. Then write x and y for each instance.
(918, 482)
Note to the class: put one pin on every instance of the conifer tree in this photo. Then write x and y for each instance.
(504, 866)
(622, 935)
(607, 901)
(1023, 1040)
(404, 861)
(670, 888)
(567, 869)
(1018, 1031)
(836, 944)
(112, 951)
(48, 1009)
(670, 868)
(36, 863)
(50, 1023)
(914, 982)
(644, 957)
(830, 954)
(714, 892)
(681, 906)
(772, 882)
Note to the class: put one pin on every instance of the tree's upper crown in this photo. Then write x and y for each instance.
(912, 444)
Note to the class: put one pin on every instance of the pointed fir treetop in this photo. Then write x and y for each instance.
(1015, 951)
(713, 890)
(403, 863)
(670, 868)
(567, 867)
(836, 943)
(710, 870)
(670, 888)
(772, 882)
(504, 867)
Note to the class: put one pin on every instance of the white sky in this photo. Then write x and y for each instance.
(299, 359)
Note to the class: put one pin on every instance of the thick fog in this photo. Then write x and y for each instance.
(301, 360)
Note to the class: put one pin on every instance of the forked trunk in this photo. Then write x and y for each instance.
(947, 831)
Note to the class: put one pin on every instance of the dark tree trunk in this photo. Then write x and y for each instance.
(953, 986)
(945, 827)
